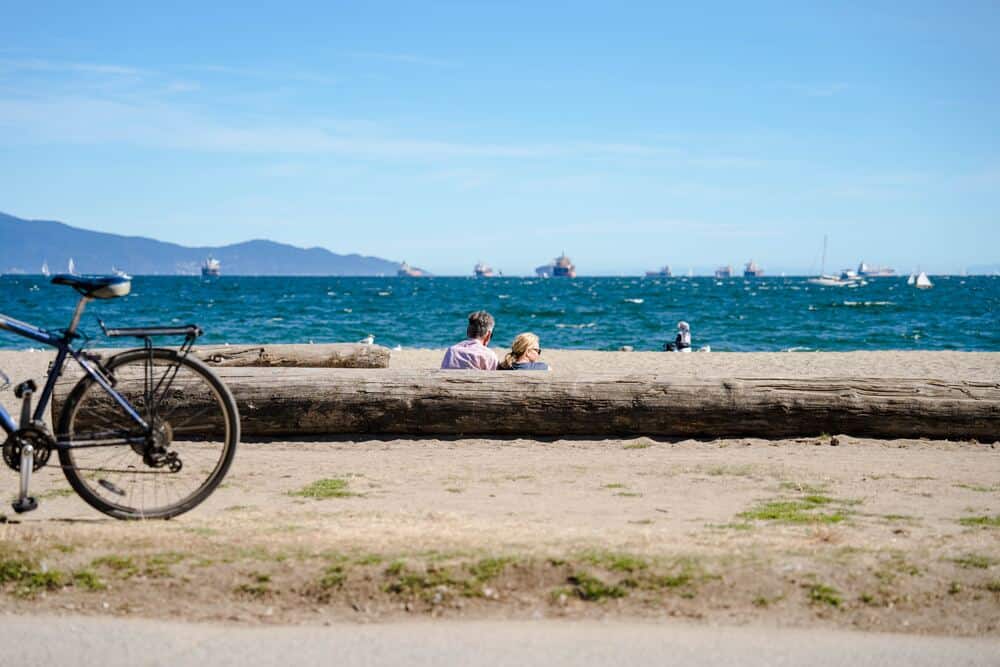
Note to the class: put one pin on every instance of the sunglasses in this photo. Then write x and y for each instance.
(536, 349)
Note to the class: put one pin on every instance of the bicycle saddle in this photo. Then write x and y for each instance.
(95, 287)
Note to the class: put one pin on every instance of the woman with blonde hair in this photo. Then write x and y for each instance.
(523, 355)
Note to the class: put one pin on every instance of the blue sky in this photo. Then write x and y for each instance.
(630, 135)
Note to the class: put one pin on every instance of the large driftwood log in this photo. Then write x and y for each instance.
(324, 355)
(320, 355)
(295, 402)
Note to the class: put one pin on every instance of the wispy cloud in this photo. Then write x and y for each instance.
(161, 125)
(36, 65)
(303, 76)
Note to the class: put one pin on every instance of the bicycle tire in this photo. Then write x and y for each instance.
(186, 399)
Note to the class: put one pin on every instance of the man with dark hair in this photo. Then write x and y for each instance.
(472, 352)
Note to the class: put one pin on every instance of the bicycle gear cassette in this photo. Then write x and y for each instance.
(38, 438)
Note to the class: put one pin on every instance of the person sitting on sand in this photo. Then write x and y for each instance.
(472, 352)
(523, 355)
(682, 342)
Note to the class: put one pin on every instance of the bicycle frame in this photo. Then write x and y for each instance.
(64, 348)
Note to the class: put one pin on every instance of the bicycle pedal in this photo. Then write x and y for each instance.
(24, 505)
(27, 387)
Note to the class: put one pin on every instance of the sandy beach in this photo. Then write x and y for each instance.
(836, 531)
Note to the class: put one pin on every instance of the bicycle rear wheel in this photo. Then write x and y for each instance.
(129, 472)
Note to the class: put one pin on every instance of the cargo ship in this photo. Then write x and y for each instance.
(724, 272)
(407, 271)
(665, 272)
(866, 271)
(560, 267)
(752, 270)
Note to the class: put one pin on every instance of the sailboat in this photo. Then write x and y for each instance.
(923, 282)
(71, 266)
(45, 269)
(912, 279)
(826, 280)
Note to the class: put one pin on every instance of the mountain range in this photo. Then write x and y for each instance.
(25, 245)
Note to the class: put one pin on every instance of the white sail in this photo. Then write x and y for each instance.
(71, 266)
(923, 282)
(45, 269)
(912, 279)
(845, 279)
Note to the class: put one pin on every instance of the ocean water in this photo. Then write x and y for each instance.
(767, 314)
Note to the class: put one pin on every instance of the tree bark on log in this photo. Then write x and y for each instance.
(324, 355)
(297, 402)
(320, 355)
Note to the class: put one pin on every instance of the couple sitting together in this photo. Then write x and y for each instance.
(473, 353)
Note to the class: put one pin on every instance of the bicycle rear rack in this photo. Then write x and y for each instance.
(188, 331)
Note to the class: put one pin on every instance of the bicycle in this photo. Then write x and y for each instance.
(147, 434)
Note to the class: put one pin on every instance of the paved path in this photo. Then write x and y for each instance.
(66, 641)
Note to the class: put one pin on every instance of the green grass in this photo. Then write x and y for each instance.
(333, 577)
(730, 526)
(395, 568)
(762, 601)
(368, 559)
(123, 566)
(978, 487)
(158, 565)
(489, 568)
(325, 488)
(88, 580)
(974, 561)
(822, 594)
(28, 578)
(616, 561)
(992, 586)
(615, 485)
(15, 569)
(983, 521)
(895, 565)
(677, 580)
(796, 511)
(257, 586)
(590, 588)
(418, 583)
(39, 580)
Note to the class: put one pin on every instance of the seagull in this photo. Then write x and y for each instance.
(367, 340)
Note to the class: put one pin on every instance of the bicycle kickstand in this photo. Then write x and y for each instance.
(24, 502)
